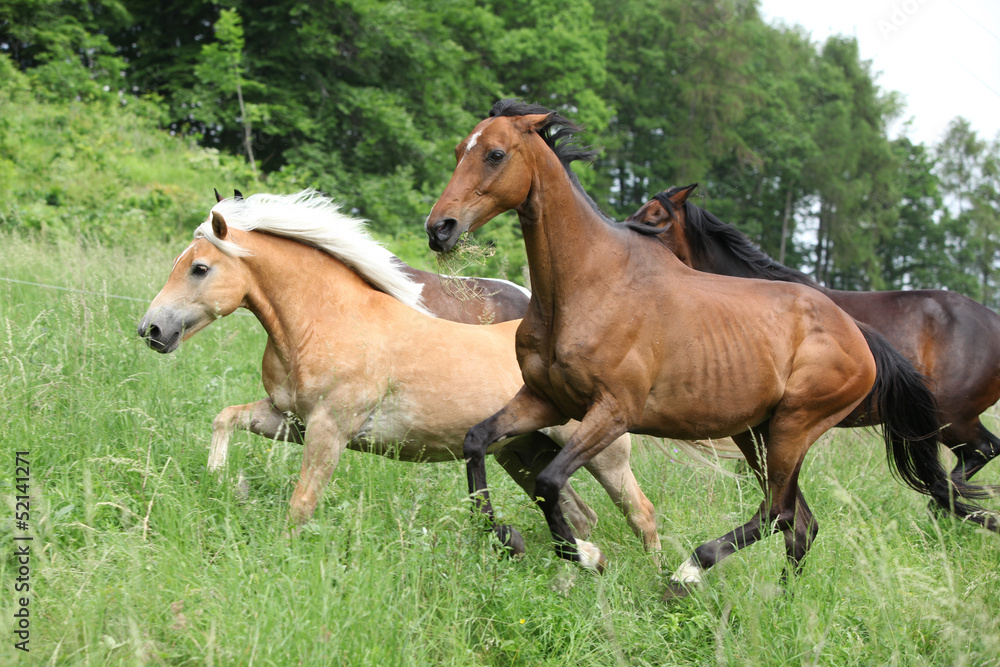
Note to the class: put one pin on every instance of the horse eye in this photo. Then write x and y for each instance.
(495, 156)
(199, 270)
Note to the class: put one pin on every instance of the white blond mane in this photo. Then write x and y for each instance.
(316, 220)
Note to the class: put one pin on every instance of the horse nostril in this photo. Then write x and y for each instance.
(443, 229)
(153, 332)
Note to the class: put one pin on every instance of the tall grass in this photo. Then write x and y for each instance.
(142, 557)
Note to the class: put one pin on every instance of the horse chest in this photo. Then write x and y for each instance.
(552, 370)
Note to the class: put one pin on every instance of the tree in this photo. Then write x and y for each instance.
(969, 168)
(914, 252)
(220, 73)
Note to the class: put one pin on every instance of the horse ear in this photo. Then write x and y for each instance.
(238, 195)
(535, 122)
(219, 226)
(682, 194)
(218, 197)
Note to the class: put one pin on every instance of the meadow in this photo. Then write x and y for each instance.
(141, 557)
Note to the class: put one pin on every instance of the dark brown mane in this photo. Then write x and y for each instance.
(731, 251)
(721, 248)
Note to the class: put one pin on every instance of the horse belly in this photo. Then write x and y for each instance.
(685, 415)
(707, 392)
(393, 429)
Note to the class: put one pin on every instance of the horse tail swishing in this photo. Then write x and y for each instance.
(906, 406)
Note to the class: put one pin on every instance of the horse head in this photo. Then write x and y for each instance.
(204, 284)
(489, 178)
(665, 216)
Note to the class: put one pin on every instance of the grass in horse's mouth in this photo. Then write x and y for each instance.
(466, 252)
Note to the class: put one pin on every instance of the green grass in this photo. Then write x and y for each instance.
(141, 557)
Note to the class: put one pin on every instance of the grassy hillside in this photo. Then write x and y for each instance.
(101, 170)
(140, 557)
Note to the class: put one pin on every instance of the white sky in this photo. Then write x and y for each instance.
(942, 55)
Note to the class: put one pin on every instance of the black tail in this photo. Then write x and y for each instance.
(908, 412)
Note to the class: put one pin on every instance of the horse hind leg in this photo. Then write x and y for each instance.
(973, 453)
(612, 469)
(783, 509)
(799, 531)
(525, 457)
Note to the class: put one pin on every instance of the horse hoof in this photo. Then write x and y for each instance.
(676, 590)
(591, 557)
(511, 541)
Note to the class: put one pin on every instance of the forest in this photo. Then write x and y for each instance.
(364, 99)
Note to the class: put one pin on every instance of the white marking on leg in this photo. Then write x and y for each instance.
(590, 555)
(688, 573)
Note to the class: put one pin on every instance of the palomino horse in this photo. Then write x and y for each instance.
(624, 337)
(461, 298)
(953, 340)
(346, 352)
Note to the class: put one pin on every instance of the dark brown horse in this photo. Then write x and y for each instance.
(460, 298)
(624, 337)
(953, 340)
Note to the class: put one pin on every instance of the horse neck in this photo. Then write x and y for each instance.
(564, 235)
(292, 284)
(716, 257)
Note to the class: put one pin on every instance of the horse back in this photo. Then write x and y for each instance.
(470, 300)
(952, 339)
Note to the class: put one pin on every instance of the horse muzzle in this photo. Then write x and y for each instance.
(442, 234)
(162, 332)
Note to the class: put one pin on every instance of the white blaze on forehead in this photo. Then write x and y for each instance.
(472, 141)
(471, 144)
(182, 254)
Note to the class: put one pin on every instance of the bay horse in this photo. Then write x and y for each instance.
(624, 337)
(953, 340)
(345, 353)
(466, 299)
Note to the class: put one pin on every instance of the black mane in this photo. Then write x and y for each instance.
(729, 252)
(556, 129)
(718, 247)
(558, 134)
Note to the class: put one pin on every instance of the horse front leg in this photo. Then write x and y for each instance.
(524, 413)
(612, 468)
(260, 417)
(324, 443)
(601, 426)
(525, 457)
